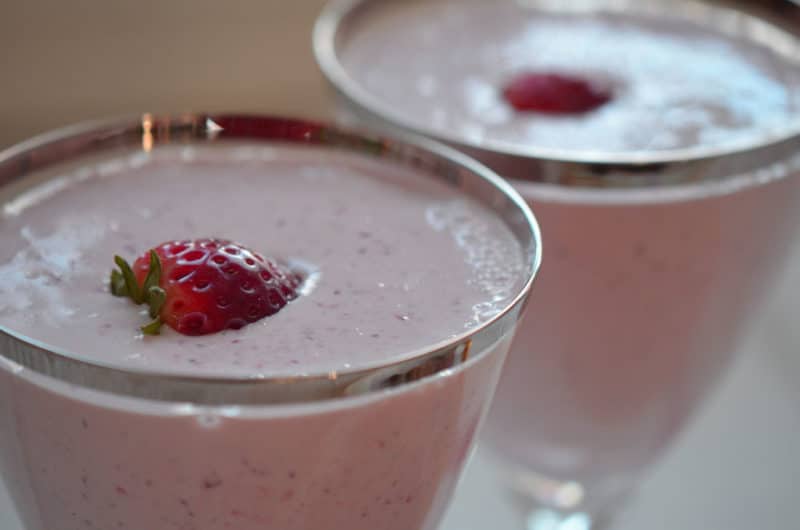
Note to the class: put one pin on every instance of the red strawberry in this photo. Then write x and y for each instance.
(204, 285)
(553, 93)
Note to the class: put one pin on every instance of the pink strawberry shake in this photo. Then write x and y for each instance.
(390, 271)
(646, 288)
(452, 68)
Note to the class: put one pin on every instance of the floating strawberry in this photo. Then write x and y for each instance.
(204, 286)
(554, 93)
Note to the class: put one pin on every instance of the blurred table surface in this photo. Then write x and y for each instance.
(737, 467)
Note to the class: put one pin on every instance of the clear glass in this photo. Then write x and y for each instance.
(86, 446)
(638, 312)
(656, 264)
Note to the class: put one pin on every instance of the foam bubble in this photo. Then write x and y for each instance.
(489, 249)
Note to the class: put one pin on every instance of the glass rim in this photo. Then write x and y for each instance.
(145, 132)
(593, 169)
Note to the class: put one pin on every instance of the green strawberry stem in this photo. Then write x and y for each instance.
(123, 283)
(153, 328)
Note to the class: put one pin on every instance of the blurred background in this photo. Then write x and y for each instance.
(62, 62)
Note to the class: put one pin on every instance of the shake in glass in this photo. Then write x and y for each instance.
(658, 141)
(326, 332)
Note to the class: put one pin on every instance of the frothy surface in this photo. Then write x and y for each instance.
(403, 262)
(440, 65)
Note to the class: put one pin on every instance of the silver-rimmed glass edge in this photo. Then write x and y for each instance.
(597, 169)
(148, 131)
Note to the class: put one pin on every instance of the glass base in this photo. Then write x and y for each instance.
(545, 519)
(550, 504)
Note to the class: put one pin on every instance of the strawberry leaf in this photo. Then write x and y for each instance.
(132, 286)
(117, 284)
(153, 328)
(153, 278)
(123, 283)
(155, 300)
